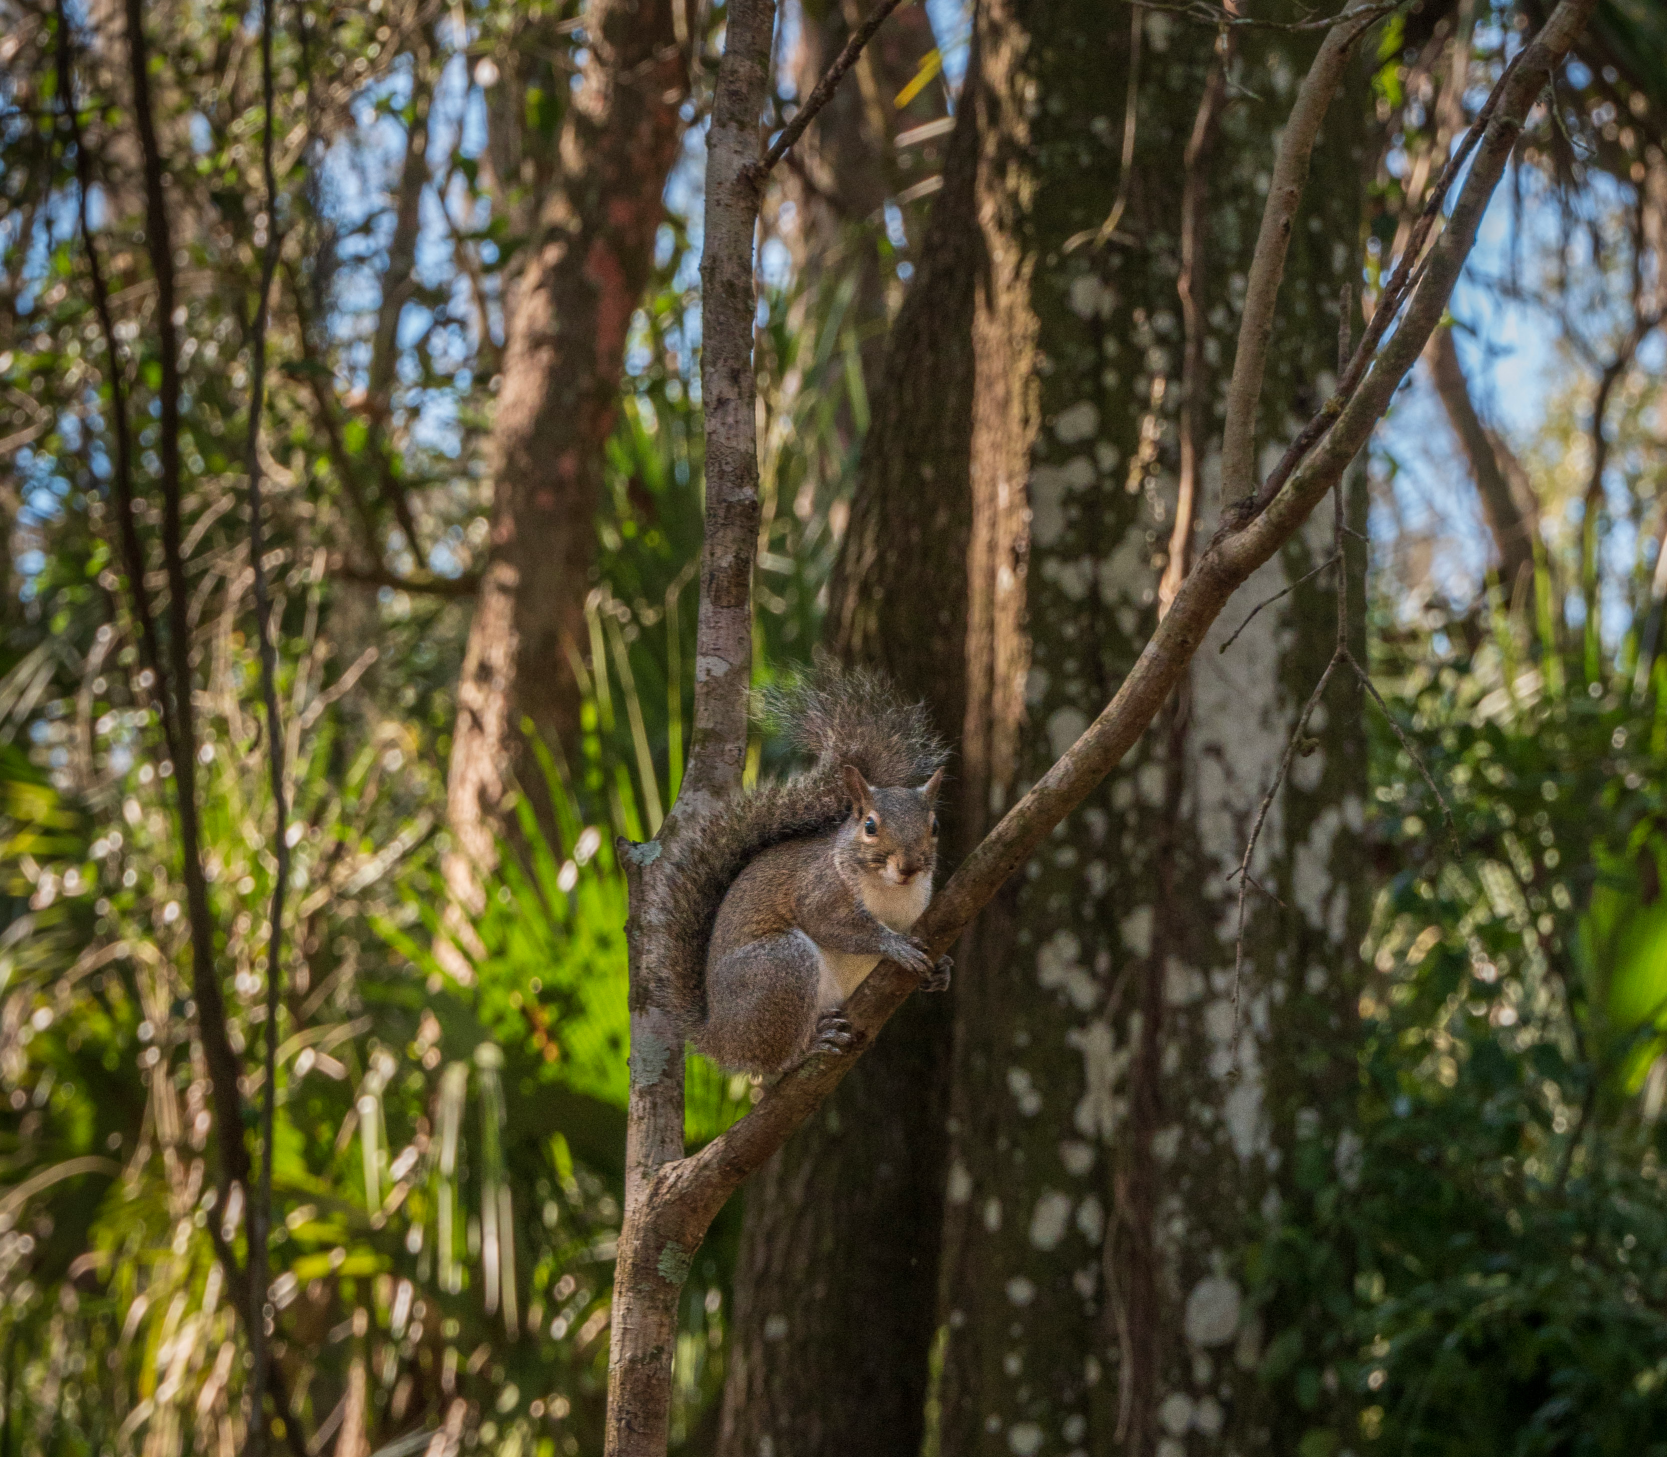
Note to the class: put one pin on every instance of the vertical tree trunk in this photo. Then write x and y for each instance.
(837, 1273)
(1125, 1119)
(565, 343)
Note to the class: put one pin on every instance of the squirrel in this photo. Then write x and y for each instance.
(794, 891)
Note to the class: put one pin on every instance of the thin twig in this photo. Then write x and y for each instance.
(1269, 601)
(1412, 753)
(260, 1209)
(824, 89)
(1407, 274)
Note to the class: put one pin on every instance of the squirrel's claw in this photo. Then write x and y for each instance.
(833, 1033)
(937, 980)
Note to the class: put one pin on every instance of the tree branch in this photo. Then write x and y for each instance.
(825, 88)
(1267, 264)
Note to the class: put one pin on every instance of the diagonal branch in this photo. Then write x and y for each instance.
(825, 88)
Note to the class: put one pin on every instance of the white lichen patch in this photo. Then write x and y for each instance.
(1136, 930)
(960, 1184)
(1314, 883)
(1049, 486)
(1065, 727)
(1089, 298)
(1049, 1219)
(1166, 1143)
(1078, 1157)
(1176, 1413)
(1072, 578)
(1024, 1439)
(992, 1214)
(1091, 1219)
(1021, 1291)
(1077, 423)
(1098, 1109)
(1212, 1311)
(1059, 968)
(1348, 1156)
(1023, 1088)
(1239, 722)
(1182, 985)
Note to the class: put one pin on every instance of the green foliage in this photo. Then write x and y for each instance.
(1484, 1264)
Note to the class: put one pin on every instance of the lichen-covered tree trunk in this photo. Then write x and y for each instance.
(571, 308)
(838, 1268)
(1127, 1123)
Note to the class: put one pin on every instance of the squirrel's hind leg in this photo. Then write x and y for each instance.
(762, 1002)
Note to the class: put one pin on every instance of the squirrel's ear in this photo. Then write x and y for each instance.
(862, 797)
(932, 786)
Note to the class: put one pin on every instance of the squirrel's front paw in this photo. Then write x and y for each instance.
(911, 954)
(938, 979)
(833, 1033)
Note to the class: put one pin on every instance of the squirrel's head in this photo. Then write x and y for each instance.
(891, 833)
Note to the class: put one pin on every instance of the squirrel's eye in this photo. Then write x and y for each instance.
(934, 824)
(869, 827)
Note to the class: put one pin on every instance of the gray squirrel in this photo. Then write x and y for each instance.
(796, 890)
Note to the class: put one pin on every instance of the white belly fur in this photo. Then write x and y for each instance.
(897, 906)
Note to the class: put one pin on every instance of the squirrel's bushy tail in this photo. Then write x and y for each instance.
(835, 715)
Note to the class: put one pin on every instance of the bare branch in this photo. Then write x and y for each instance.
(1267, 265)
(824, 88)
(1269, 601)
(1408, 272)
(1406, 743)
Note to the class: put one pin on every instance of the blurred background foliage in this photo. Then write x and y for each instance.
(1490, 1267)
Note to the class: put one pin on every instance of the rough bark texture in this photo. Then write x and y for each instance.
(1108, 1169)
(565, 343)
(838, 1267)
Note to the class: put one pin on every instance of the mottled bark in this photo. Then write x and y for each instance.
(1117, 1141)
(566, 332)
(837, 1273)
